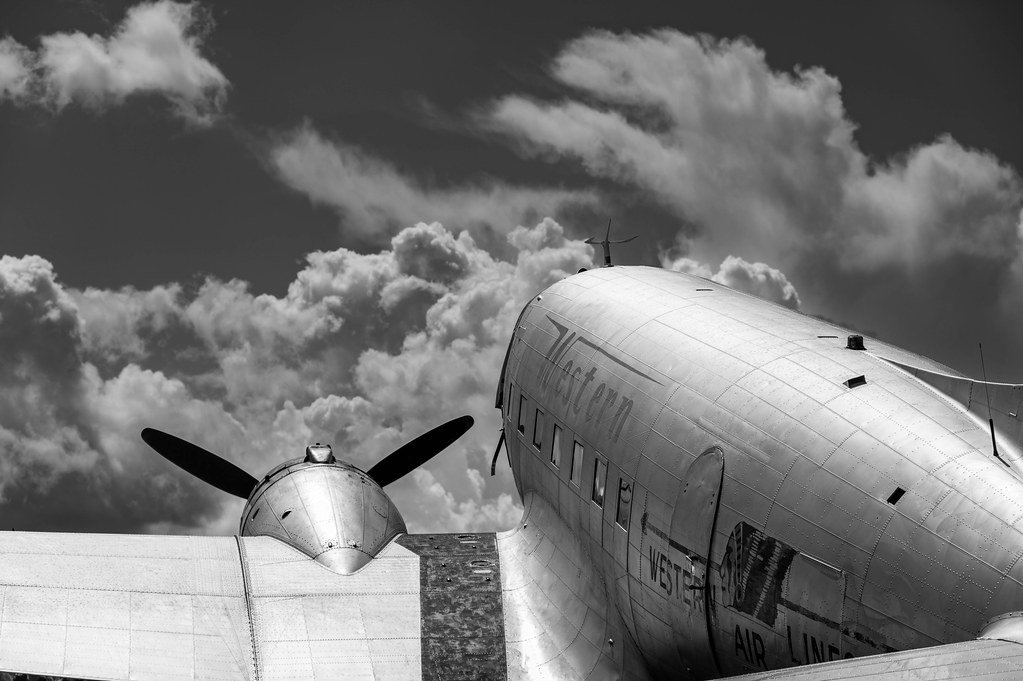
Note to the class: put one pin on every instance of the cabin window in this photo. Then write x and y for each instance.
(522, 414)
(599, 481)
(538, 430)
(556, 447)
(577, 462)
(624, 503)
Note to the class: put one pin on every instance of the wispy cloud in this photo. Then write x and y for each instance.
(374, 199)
(155, 49)
(763, 165)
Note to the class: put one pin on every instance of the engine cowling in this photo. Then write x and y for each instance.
(329, 510)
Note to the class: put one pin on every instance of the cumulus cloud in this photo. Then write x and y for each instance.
(155, 49)
(365, 351)
(763, 165)
(15, 70)
(65, 433)
(755, 278)
(375, 199)
(759, 159)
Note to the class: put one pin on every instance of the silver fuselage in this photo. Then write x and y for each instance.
(763, 506)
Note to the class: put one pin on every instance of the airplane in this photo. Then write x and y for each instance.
(713, 485)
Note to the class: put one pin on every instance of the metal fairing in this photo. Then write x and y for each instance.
(334, 513)
(559, 623)
(851, 521)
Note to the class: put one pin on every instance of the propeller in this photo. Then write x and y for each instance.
(414, 454)
(201, 463)
(227, 477)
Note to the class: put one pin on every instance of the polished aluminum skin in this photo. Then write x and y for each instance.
(193, 608)
(753, 494)
(327, 509)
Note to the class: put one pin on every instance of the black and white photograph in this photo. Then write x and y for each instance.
(453, 340)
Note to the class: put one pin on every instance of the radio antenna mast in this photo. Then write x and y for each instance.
(606, 243)
(987, 393)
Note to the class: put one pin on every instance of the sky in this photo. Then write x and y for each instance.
(258, 225)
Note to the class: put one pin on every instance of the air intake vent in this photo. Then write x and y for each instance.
(896, 495)
(856, 382)
(854, 343)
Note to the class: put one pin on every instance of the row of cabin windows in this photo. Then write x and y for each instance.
(599, 466)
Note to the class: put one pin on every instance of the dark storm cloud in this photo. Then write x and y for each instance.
(155, 49)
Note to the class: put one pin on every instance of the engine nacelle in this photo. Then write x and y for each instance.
(329, 510)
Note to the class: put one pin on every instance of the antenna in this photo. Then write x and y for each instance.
(606, 243)
(987, 392)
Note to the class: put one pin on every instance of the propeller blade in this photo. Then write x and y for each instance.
(201, 463)
(414, 454)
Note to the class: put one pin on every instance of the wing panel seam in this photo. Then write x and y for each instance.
(248, 607)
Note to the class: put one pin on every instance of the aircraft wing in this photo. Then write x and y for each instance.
(162, 607)
(990, 659)
(476, 605)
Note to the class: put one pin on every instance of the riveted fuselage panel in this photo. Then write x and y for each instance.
(860, 511)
